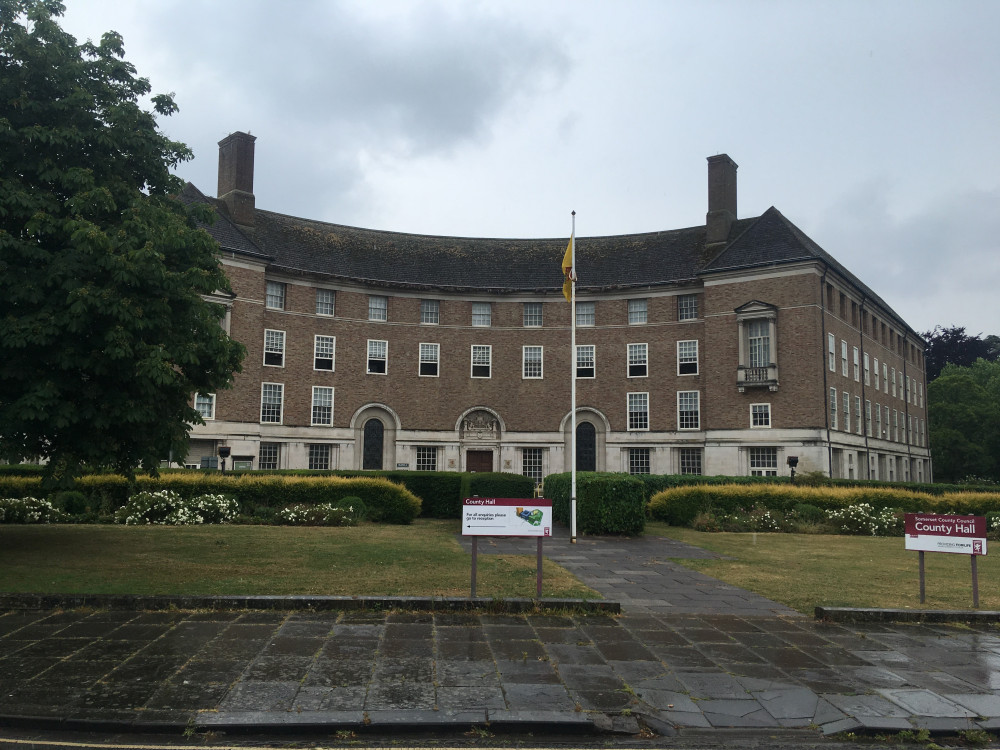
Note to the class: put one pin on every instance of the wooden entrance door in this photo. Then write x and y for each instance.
(479, 461)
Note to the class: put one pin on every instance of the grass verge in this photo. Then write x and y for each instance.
(422, 559)
(806, 570)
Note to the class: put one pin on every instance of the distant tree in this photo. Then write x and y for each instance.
(105, 333)
(954, 346)
(964, 417)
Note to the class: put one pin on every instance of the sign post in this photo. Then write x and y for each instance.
(963, 535)
(502, 516)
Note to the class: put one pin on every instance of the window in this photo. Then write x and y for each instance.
(430, 355)
(868, 418)
(832, 352)
(920, 394)
(885, 377)
(585, 362)
(895, 425)
(877, 386)
(857, 414)
(847, 411)
(833, 408)
(638, 411)
(909, 429)
(324, 301)
(532, 314)
(322, 405)
(323, 350)
(585, 314)
(274, 348)
(481, 359)
(319, 457)
(907, 389)
(759, 340)
(638, 360)
(378, 357)
(482, 314)
(687, 357)
(893, 381)
(637, 313)
(857, 366)
(878, 421)
(687, 307)
(763, 462)
(867, 370)
(267, 458)
(275, 295)
(690, 460)
(531, 362)
(531, 464)
(427, 458)
(760, 415)
(378, 307)
(430, 311)
(843, 358)
(887, 424)
(688, 410)
(209, 462)
(638, 460)
(272, 396)
(204, 404)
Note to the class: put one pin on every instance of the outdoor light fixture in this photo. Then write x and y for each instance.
(223, 454)
(792, 462)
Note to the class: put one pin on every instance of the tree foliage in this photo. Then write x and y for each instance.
(953, 345)
(964, 412)
(105, 333)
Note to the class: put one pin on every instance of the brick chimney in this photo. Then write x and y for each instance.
(236, 176)
(721, 199)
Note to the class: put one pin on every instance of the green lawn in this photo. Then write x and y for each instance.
(423, 559)
(805, 570)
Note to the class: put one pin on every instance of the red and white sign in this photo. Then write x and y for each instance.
(504, 516)
(929, 532)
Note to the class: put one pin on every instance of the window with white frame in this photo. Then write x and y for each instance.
(857, 365)
(430, 311)
(482, 357)
(687, 357)
(909, 429)
(274, 348)
(531, 464)
(760, 415)
(638, 360)
(895, 425)
(885, 378)
(586, 365)
(868, 418)
(688, 410)
(430, 357)
(867, 370)
(690, 460)
(274, 297)
(847, 411)
(878, 420)
(833, 408)
(378, 307)
(325, 301)
(585, 317)
(637, 311)
(267, 456)
(531, 362)
(322, 405)
(323, 352)
(687, 307)
(759, 343)
(857, 414)
(907, 389)
(204, 404)
(831, 341)
(482, 314)
(319, 456)
(378, 357)
(843, 358)
(875, 373)
(532, 314)
(893, 381)
(888, 424)
(427, 458)
(272, 396)
(638, 411)
(638, 460)
(763, 462)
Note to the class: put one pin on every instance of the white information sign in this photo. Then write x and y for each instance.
(502, 516)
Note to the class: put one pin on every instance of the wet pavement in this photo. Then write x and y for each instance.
(694, 658)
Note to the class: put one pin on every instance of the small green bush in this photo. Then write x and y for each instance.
(807, 513)
(607, 503)
(28, 510)
(355, 507)
(167, 508)
(71, 502)
(322, 514)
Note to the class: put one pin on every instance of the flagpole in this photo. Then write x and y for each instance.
(572, 389)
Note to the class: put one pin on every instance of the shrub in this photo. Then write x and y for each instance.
(355, 506)
(28, 510)
(807, 513)
(70, 502)
(322, 514)
(865, 520)
(168, 508)
(606, 503)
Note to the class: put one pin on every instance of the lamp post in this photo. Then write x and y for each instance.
(792, 462)
(224, 454)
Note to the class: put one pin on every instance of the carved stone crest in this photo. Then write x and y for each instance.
(480, 425)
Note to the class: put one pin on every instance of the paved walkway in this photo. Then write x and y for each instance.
(691, 659)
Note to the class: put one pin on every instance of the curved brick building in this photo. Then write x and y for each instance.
(723, 348)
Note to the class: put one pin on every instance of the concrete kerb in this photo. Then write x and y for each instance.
(304, 603)
(870, 614)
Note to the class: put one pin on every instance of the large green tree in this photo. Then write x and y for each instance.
(964, 414)
(104, 329)
(954, 346)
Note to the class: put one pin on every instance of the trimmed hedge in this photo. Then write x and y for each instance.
(495, 484)
(606, 502)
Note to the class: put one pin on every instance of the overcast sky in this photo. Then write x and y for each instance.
(874, 126)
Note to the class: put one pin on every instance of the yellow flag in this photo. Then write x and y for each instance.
(567, 269)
